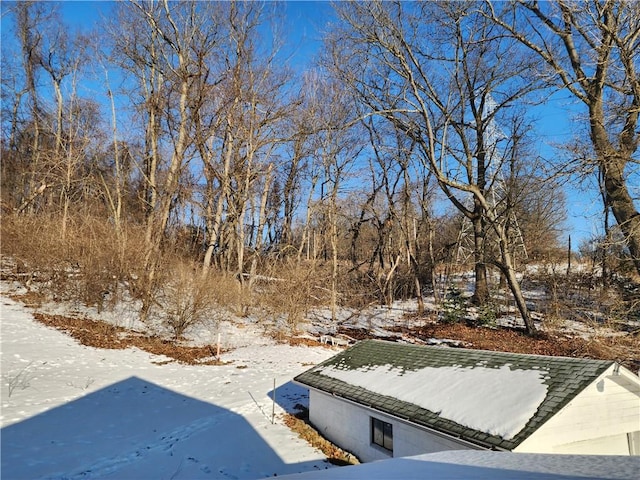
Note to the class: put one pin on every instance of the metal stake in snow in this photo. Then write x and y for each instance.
(273, 403)
(218, 348)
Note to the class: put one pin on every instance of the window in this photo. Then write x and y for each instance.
(382, 434)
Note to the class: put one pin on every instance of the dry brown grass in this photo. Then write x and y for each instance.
(81, 266)
(299, 423)
(288, 291)
(185, 298)
(225, 290)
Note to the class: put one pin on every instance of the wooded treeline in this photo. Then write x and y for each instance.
(205, 164)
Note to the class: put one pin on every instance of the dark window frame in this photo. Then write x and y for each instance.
(382, 434)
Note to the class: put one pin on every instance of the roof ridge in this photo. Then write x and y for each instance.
(481, 350)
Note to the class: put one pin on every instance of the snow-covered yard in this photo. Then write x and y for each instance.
(70, 411)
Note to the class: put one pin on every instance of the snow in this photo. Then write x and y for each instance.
(375, 319)
(70, 411)
(481, 465)
(509, 397)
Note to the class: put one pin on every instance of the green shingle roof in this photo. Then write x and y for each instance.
(564, 378)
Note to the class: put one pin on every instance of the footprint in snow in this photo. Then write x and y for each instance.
(227, 474)
(203, 468)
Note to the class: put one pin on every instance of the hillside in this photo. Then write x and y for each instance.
(127, 402)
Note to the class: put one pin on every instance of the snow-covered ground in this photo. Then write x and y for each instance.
(70, 411)
(482, 465)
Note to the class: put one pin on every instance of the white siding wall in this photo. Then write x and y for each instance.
(612, 445)
(349, 426)
(597, 421)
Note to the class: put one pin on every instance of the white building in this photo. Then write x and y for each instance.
(380, 400)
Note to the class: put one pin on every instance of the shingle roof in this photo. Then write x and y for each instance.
(563, 377)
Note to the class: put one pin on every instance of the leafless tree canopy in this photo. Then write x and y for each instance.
(591, 50)
(184, 132)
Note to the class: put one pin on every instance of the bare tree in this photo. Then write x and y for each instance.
(161, 52)
(404, 215)
(301, 130)
(74, 148)
(591, 50)
(44, 138)
(115, 195)
(237, 130)
(30, 20)
(58, 59)
(446, 96)
(258, 121)
(337, 146)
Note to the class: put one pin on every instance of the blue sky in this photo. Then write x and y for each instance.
(305, 23)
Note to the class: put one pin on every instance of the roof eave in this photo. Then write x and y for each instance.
(476, 445)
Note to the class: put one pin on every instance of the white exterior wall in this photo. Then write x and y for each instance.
(597, 421)
(348, 425)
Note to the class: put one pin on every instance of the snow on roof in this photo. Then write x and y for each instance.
(509, 398)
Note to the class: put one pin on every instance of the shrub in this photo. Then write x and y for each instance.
(186, 300)
(453, 307)
(488, 314)
(290, 291)
(90, 261)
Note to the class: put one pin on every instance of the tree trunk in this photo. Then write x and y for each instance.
(306, 239)
(157, 222)
(289, 195)
(514, 285)
(569, 257)
(622, 205)
(605, 250)
(612, 161)
(30, 46)
(432, 263)
(334, 260)
(215, 219)
(612, 165)
(262, 218)
(481, 291)
(58, 134)
(115, 204)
